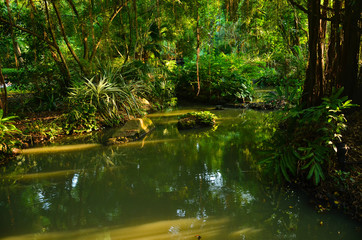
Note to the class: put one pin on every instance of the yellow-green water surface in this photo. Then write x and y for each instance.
(171, 185)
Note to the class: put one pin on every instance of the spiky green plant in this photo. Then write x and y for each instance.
(111, 95)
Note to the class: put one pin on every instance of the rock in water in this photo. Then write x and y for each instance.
(133, 130)
(196, 120)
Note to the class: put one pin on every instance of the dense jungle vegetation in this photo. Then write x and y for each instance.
(82, 65)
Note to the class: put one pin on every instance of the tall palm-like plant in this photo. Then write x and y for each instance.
(111, 95)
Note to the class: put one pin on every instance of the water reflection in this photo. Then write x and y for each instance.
(171, 185)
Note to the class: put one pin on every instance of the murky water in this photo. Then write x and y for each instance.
(171, 185)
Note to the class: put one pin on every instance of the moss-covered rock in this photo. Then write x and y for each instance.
(196, 120)
(133, 130)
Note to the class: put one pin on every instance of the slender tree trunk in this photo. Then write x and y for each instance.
(135, 26)
(33, 10)
(105, 29)
(159, 17)
(321, 53)
(227, 10)
(17, 51)
(334, 49)
(63, 66)
(198, 47)
(91, 25)
(62, 29)
(4, 94)
(84, 37)
(130, 39)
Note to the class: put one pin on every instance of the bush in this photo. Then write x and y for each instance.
(7, 131)
(110, 94)
(303, 144)
(222, 79)
(82, 118)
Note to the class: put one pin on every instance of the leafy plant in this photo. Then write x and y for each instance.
(43, 129)
(270, 77)
(283, 96)
(223, 79)
(303, 142)
(82, 118)
(7, 131)
(110, 95)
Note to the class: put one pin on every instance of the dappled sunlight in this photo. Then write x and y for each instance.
(134, 191)
(142, 143)
(57, 149)
(167, 122)
(178, 112)
(245, 233)
(161, 230)
(31, 176)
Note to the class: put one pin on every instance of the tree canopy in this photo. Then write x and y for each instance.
(70, 39)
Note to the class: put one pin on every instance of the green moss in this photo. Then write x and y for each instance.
(196, 120)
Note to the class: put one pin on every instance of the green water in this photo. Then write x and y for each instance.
(171, 185)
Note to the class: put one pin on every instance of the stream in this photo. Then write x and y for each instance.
(170, 185)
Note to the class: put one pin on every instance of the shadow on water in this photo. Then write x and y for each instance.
(171, 185)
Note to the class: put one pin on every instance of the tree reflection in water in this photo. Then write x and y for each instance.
(171, 185)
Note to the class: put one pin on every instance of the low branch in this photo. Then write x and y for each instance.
(105, 28)
(297, 5)
(303, 9)
(62, 29)
(42, 38)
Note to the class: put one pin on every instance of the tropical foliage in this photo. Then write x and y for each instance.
(7, 131)
(306, 139)
(96, 61)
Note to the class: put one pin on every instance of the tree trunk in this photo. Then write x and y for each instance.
(351, 47)
(334, 49)
(135, 28)
(84, 37)
(309, 92)
(17, 51)
(91, 25)
(105, 29)
(4, 94)
(159, 18)
(198, 47)
(63, 66)
(61, 25)
(321, 54)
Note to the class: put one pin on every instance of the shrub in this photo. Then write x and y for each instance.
(82, 118)
(223, 79)
(284, 97)
(111, 95)
(7, 131)
(306, 137)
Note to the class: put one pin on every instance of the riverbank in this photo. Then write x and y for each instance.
(341, 189)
